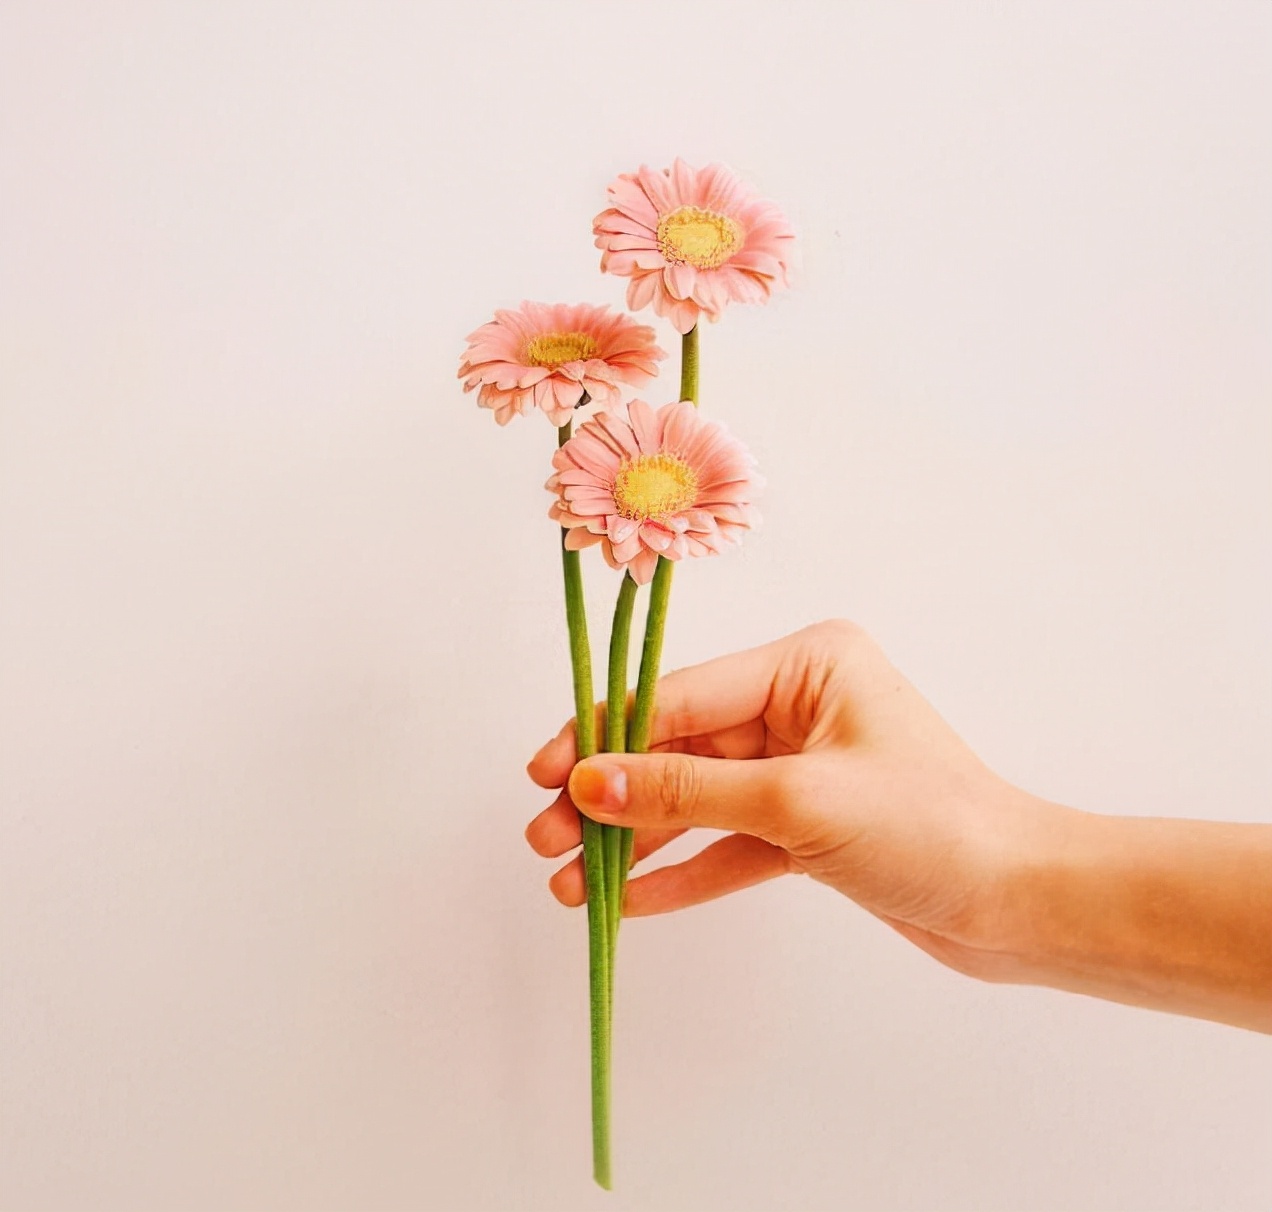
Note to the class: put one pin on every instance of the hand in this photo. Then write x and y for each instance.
(823, 760)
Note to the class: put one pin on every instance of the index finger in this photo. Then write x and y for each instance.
(698, 701)
(722, 693)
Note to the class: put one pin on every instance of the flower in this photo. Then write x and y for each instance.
(645, 483)
(547, 355)
(691, 240)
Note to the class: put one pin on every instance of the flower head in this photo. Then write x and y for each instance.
(692, 240)
(547, 355)
(645, 482)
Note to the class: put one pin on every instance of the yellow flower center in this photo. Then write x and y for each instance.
(553, 349)
(652, 486)
(703, 238)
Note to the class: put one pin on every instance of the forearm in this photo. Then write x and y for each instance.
(1169, 914)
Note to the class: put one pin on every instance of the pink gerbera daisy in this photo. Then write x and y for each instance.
(547, 355)
(692, 240)
(645, 483)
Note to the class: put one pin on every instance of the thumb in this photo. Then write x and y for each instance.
(675, 790)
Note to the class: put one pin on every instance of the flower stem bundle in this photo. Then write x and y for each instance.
(648, 486)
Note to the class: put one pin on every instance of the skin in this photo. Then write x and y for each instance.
(824, 761)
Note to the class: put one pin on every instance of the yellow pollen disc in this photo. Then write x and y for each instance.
(554, 349)
(703, 238)
(652, 486)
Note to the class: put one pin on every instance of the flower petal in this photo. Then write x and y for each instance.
(644, 427)
(642, 290)
(642, 566)
(580, 538)
(656, 536)
(620, 529)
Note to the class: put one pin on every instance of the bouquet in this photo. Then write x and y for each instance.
(650, 486)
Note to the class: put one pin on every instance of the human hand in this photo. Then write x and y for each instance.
(823, 760)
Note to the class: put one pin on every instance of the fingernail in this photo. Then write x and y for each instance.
(598, 787)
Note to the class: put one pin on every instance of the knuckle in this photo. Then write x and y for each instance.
(841, 631)
(678, 787)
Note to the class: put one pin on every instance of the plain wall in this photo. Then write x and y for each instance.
(280, 615)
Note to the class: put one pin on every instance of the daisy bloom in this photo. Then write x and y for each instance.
(692, 240)
(547, 355)
(645, 482)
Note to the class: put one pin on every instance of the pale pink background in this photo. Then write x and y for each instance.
(279, 610)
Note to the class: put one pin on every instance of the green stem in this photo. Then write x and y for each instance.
(689, 366)
(650, 657)
(642, 720)
(616, 837)
(598, 936)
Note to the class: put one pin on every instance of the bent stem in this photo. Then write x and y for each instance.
(642, 720)
(598, 931)
(617, 838)
(641, 724)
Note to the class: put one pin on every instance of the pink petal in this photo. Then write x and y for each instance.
(644, 426)
(680, 422)
(642, 290)
(632, 200)
(683, 316)
(579, 475)
(601, 437)
(625, 264)
(619, 430)
(628, 549)
(491, 397)
(614, 222)
(607, 549)
(656, 536)
(567, 393)
(620, 529)
(679, 280)
(642, 566)
(700, 520)
(624, 242)
(594, 508)
(532, 376)
(757, 262)
(743, 287)
(709, 290)
(580, 495)
(658, 189)
(685, 181)
(593, 456)
(579, 538)
(738, 492)
(717, 188)
(603, 393)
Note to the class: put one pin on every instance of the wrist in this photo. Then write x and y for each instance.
(1045, 889)
(1032, 870)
